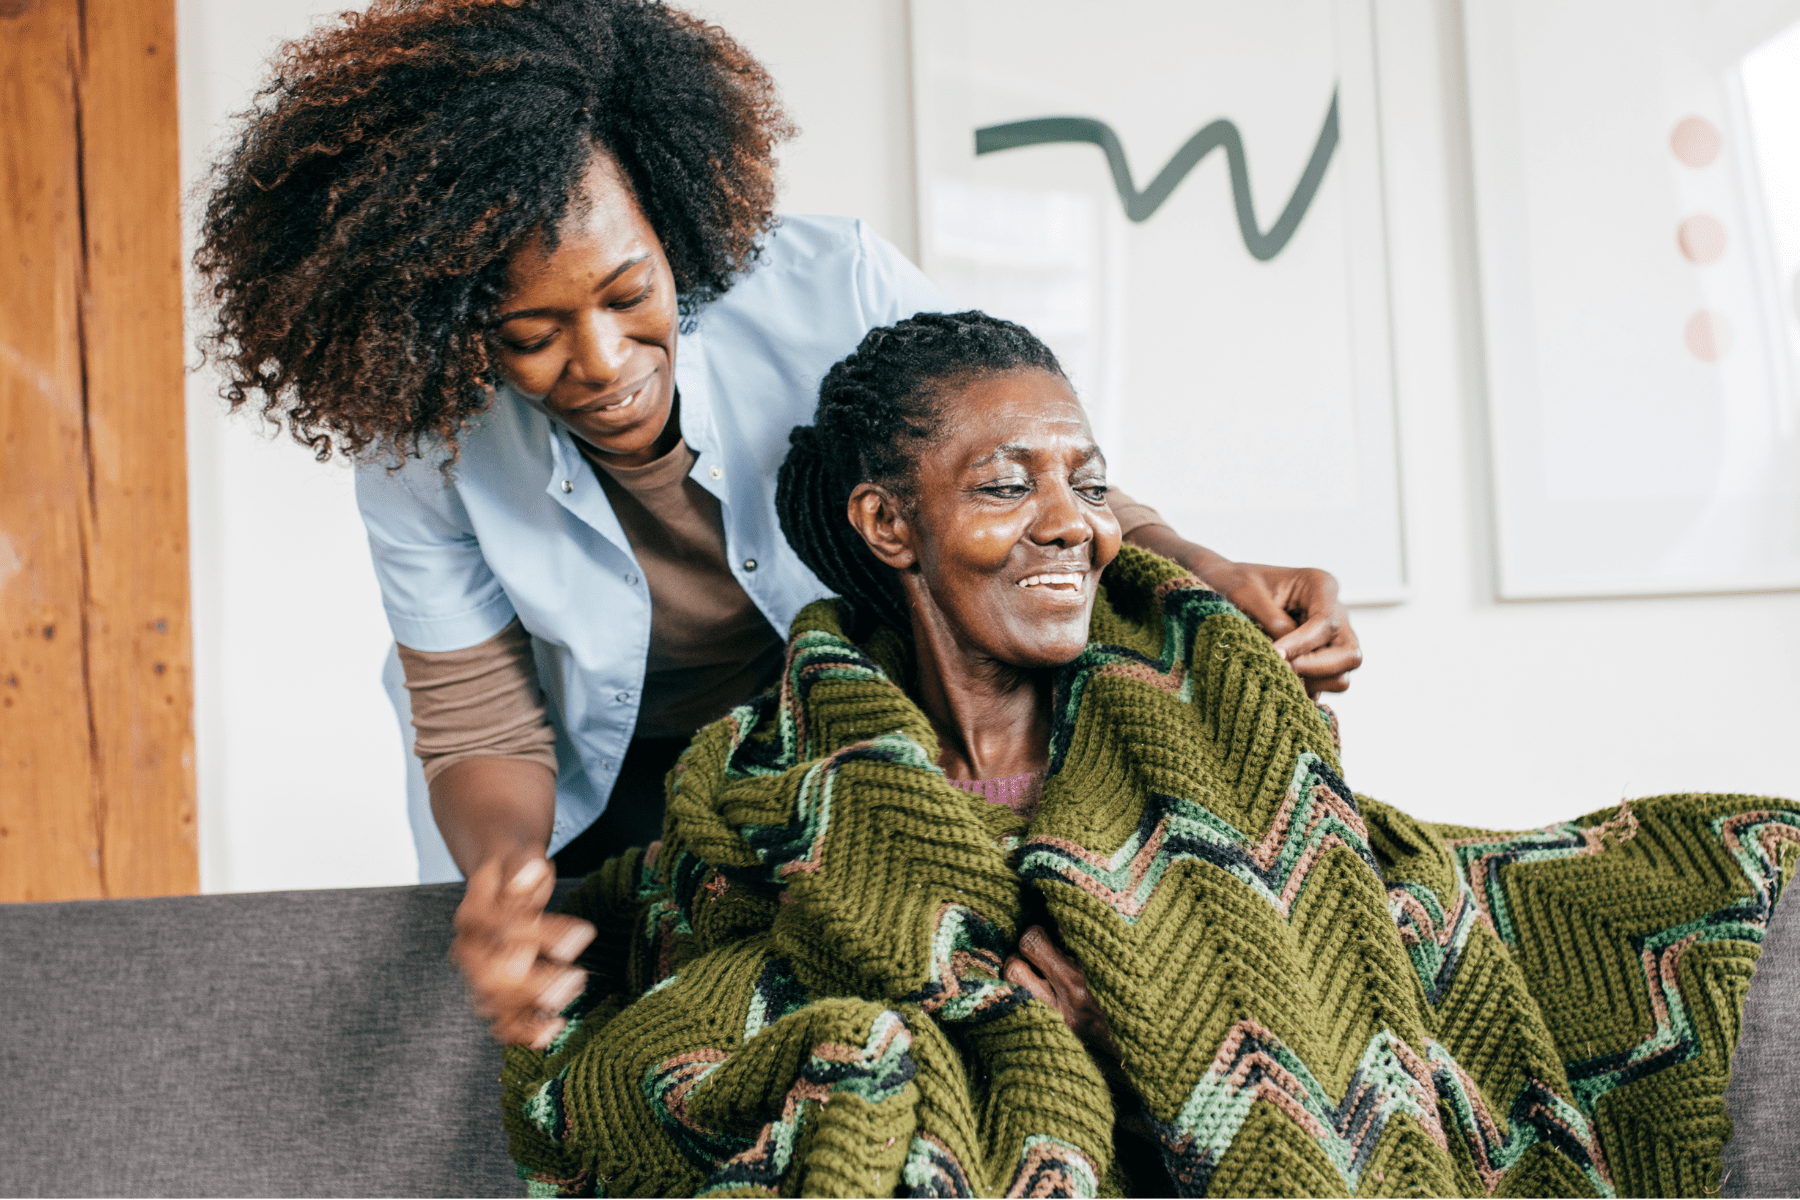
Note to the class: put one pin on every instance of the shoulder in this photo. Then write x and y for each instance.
(505, 447)
(799, 238)
(826, 271)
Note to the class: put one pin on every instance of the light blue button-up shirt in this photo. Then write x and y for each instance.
(522, 526)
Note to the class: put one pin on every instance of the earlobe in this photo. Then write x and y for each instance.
(877, 515)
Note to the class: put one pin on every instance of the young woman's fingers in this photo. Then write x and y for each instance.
(531, 886)
(562, 938)
(524, 1028)
(1255, 601)
(1319, 630)
(481, 896)
(518, 1011)
(1342, 654)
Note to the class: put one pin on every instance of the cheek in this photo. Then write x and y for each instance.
(533, 376)
(987, 544)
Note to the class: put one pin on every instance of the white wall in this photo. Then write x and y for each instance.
(1467, 710)
(1521, 713)
(300, 766)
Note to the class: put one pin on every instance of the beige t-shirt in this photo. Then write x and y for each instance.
(710, 647)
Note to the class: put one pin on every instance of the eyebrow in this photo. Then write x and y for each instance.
(617, 271)
(1019, 452)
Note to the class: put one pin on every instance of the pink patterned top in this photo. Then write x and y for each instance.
(1020, 793)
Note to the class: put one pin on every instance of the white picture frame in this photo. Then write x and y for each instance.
(1230, 333)
(1634, 242)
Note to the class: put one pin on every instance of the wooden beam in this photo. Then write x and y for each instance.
(96, 693)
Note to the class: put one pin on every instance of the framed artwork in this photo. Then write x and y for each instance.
(1637, 174)
(1186, 206)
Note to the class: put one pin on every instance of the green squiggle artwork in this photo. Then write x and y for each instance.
(1140, 205)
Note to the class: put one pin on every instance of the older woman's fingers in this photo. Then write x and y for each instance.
(1018, 972)
(1254, 600)
(1057, 967)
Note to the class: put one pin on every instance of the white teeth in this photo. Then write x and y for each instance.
(1052, 579)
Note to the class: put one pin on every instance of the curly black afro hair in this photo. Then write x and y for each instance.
(355, 242)
(878, 409)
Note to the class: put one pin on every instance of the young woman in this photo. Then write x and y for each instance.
(520, 260)
(1037, 876)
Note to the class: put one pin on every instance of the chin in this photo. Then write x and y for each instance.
(630, 438)
(1051, 648)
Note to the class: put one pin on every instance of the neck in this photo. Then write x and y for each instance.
(992, 720)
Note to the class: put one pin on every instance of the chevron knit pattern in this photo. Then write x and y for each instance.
(798, 990)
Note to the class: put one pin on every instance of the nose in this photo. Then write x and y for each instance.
(600, 350)
(1061, 519)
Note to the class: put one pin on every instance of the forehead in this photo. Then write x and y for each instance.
(1025, 410)
(601, 228)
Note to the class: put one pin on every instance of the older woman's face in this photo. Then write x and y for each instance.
(1010, 528)
(587, 331)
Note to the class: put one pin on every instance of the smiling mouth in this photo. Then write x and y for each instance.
(1065, 582)
(612, 406)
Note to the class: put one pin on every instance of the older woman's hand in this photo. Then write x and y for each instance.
(515, 956)
(1056, 979)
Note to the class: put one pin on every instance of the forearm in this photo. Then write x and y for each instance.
(1160, 539)
(494, 809)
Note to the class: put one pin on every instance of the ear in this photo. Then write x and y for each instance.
(880, 518)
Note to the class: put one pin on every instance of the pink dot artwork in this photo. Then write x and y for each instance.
(1702, 238)
(1708, 336)
(1695, 141)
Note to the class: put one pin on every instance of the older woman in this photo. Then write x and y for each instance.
(1036, 876)
(520, 258)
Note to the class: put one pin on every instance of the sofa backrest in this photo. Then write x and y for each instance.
(320, 1044)
(273, 1044)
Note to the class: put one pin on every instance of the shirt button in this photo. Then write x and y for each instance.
(715, 472)
(631, 579)
(623, 697)
(749, 564)
(568, 486)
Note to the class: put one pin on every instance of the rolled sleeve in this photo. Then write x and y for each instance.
(1132, 515)
(436, 586)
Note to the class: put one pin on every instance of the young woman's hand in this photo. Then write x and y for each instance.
(515, 956)
(1056, 979)
(1297, 606)
(1300, 609)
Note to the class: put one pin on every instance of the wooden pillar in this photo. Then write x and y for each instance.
(96, 660)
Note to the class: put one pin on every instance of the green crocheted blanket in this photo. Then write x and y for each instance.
(798, 989)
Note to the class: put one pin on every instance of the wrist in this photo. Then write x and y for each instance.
(494, 809)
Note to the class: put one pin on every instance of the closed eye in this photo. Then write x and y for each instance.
(634, 301)
(529, 347)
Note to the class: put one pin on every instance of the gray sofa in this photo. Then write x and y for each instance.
(319, 1044)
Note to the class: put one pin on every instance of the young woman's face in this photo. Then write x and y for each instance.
(587, 331)
(1009, 528)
